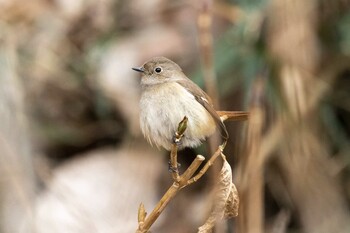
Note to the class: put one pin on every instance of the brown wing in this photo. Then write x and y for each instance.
(205, 101)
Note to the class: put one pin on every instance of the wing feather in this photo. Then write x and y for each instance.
(206, 102)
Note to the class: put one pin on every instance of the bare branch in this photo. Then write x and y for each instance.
(180, 182)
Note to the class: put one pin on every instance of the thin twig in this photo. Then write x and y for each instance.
(206, 166)
(173, 163)
(173, 154)
(190, 171)
(233, 115)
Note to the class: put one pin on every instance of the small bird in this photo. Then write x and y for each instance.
(167, 96)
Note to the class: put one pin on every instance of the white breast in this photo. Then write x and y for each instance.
(163, 106)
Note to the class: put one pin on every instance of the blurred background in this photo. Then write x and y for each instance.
(72, 158)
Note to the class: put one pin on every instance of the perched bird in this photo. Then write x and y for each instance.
(167, 97)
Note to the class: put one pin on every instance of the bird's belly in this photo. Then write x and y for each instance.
(163, 107)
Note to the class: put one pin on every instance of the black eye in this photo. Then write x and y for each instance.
(158, 70)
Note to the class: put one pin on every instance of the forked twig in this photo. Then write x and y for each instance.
(180, 181)
(206, 166)
(187, 178)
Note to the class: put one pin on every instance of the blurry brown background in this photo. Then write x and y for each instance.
(72, 158)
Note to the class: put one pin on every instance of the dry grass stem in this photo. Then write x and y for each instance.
(204, 23)
(251, 172)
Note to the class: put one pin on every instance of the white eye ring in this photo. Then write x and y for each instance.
(158, 70)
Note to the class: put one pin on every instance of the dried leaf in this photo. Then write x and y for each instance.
(226, 200)
(208, 225)
(232, 203)
(223, 189)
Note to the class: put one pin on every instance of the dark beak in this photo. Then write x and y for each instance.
(140, 69)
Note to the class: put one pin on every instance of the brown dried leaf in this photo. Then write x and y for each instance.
(208, 225)
(226, 200)
(223, 190)
(232, 203)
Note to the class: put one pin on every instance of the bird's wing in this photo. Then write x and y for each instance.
(206, 102)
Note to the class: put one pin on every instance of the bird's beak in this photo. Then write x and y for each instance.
(139, 69)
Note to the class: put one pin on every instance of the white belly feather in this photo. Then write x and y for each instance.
(162, 110)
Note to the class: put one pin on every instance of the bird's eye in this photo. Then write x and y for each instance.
(158, 70)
